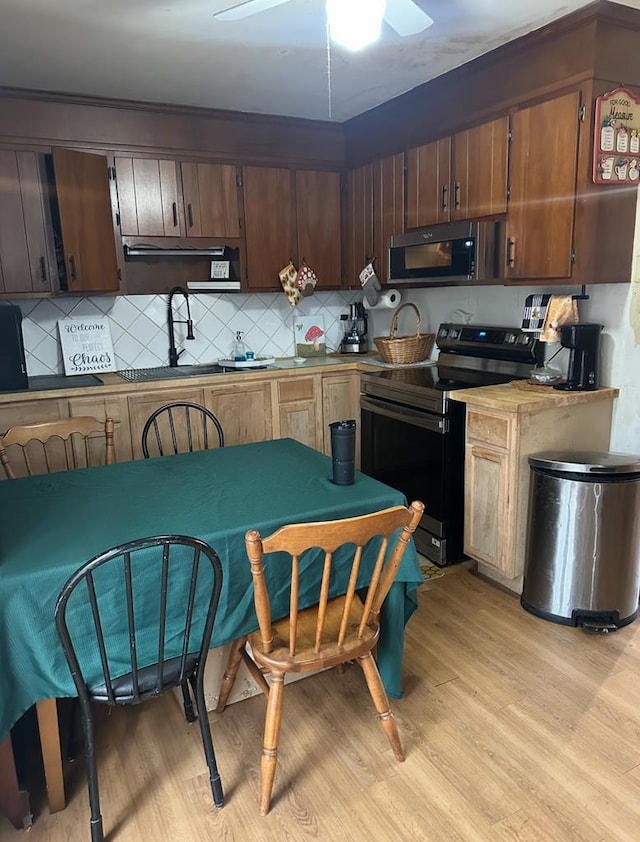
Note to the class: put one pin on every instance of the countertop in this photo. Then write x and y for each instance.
(114, 384)
(522, 397)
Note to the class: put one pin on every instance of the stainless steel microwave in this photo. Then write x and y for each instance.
(440, 255)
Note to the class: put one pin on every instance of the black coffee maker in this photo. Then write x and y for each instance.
(583, 340)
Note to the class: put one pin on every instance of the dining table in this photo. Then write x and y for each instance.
(51, 524)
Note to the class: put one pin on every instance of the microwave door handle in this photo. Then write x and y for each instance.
(434, 423)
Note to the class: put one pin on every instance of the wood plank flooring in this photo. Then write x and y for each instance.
(514, 729)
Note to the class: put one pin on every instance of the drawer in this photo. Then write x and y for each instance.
(493, 429)
(296, 389)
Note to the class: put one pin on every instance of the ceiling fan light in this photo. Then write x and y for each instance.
(355, 24)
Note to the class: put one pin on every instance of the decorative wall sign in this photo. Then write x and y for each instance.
(86, 345)
(309, 336)
(616, 144)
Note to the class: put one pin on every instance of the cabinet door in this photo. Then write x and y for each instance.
(86, 221)
(543, 165)
(211, 204)
(480, 170)
(148, 198)
(26, 248)
(340, 401)
(111, 406)
(487, 523)
(388, 207)
(142, 405)
(358, 222)
(318, 225)
(269, 221)
(299, 410)
(243, 410)
(428, 183)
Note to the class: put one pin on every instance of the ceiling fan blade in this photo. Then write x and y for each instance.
(248, 8)
(406, 18)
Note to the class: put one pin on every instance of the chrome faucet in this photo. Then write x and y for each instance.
(173, 352)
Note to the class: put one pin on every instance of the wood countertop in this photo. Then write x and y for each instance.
(522, 397)
(113, 383)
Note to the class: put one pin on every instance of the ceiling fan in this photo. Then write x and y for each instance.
(404, 16)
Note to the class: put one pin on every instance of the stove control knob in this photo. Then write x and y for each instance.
(454, 334)
(524, 339)
(509, 338)
(443, 333)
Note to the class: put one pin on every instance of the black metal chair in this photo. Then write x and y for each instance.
(141, 626)
(179, 427)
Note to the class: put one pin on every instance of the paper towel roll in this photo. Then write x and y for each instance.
(388, 300)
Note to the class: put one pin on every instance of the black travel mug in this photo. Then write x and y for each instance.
(343, 451)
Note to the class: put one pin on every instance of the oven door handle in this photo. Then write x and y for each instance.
(434, 423)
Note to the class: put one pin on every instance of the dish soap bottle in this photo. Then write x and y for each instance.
(239, 350)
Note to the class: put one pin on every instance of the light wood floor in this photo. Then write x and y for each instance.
(514, 729)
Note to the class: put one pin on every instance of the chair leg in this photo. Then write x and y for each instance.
(188, 704)
(97, 833)
(229, 677)
(381, 702)
(207, 742)
(273, 720)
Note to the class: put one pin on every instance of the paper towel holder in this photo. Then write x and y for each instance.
(583, 294)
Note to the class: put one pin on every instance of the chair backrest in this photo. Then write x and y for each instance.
(330, 545)
(137, 619)
(61, 445)
(179, 427)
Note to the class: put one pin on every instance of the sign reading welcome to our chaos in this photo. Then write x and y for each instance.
(86, 345)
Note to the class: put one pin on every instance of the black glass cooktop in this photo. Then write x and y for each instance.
(440, 378)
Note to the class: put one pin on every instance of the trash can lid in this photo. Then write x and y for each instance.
(586, 462)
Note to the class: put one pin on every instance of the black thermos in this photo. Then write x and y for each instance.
(343, 451)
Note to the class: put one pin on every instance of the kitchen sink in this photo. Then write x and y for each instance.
(165, 372)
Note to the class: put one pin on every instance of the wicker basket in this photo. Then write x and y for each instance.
(404, 349)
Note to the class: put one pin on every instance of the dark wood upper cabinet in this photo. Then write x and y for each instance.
(211, 202)
(148, 198)
(429, 183)
(27, 257)
(459, 177)
(374, 211)
(480, 170)
(86, 221)
(269, 225)
(358, 222)
(291, 215)
(543, 165)
(388, 208)
(318, 225)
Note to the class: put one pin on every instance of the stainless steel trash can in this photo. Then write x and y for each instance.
(583, 544)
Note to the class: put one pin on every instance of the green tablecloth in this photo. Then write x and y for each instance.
(51, 524)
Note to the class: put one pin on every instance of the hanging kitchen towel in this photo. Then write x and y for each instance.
(288, 280)
(562, 310)
(535, 312)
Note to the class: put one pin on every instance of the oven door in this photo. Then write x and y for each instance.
(422, 455)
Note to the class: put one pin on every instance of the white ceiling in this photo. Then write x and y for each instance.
(275, 62)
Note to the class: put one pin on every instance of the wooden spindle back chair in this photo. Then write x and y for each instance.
(134, 622)
(61, 445)
(332, 631)
(180, 427)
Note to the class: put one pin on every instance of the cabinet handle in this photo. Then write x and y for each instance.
(443, 199)
(190, 215)
(456, 197)
(72, 267)
(174, 210)
(511, 251)
(43, 270)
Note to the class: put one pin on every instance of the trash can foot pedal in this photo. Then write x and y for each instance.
(595, 628)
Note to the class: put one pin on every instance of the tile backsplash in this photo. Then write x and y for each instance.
(139, 326)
